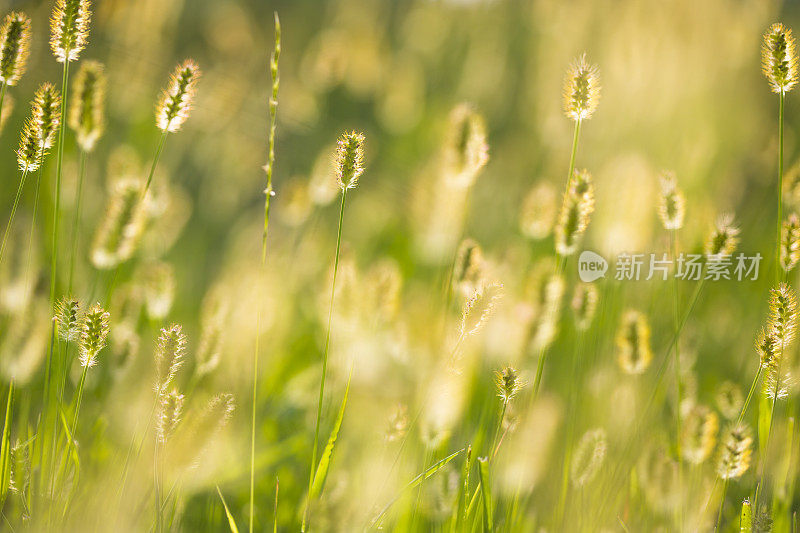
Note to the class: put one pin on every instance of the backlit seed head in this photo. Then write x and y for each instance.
(349, 159)
(212, 329)
(158, 286)
(581, 89)
(589, 456)
(790, 242)
(509, 383)
(767, 347)
(68, 319)
(584, 305)
(723, 239)
(214, 417)
(779, 58)
(671, 203)
(576, 211)
(782, 321)
(729, 400)
(170, 410)
(119, 233)
(633, 343)
(86, 115)
(29, 153)
(15, 38)
(778, 381)
(546, 293)
(466, 150)
(176, 100)
(469, 268)
(698, 433)
(94, 332)
(735, 452)
(69, 29)
(480, 307)
(169, 355)
(538, 213)
(46, 112)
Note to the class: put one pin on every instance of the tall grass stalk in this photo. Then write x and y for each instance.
(59, 171)
(76, 219)
(13, 212)
(678, 379)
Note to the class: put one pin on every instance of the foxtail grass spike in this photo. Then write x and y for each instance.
(699, 427)
(94, 333)
(779, 58)
(169, 355)
(576, 212)
(69, 29)
(46, 112)
(735, 452)
(119, 232)
(723, 239)
(671, 204)
(68, 319)
(581, 89)
(178, 97)
(15, 37)
(584, 305)
(169, 414)
(589, 456)
(29, 153)
(509, 383)
(349, 159)
(466, 151)
(633, 343)
(86, 115)
(790, 243)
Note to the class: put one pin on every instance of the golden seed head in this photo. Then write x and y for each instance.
(779, 58)
(119, 233)
(538, 213)
(581, 89)
(735, 452)
(176, 100)
(69, 28)
(94, 332)
(790, 242)
(782, 321)
(170, 351)
(723, 239)
(633, 343)
(349, 159)
(15, 38)
(469, 269)
(467, 150)
(767, 347)
(479, 308)
(68, 319)
(214, 417)
(46, 112)
(29, 153)
(86, 115)
(509, 383)
(584, 305)
(671, 203)
(170, 410)
(699, 433)
(576, 211)
(589, 456)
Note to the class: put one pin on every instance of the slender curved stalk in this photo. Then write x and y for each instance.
(76, 219)
(775, 393)
(324, 361)
(749, 395)
(678, 384)
(59, 172)
(721, 504)
(13, 212)
(3, 87)
(780, 189)
(159, 149)
(79, 397)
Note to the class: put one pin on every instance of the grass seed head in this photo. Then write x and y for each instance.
(581, 89)
(779, 58)
(698, 433)
(177, 99)
(723, 239)
(158, 280)
(509, 383)
(790, 242)
(68, 319)
(120, 231)
(549, 295)
(633, 343)
(94, 333)
(467, 150)
(169, 355)
(69, 28)
(86, 114)
(671, 203)
(349, 163)
(46, 112)
(29, 153)
(480, 307)
(212, 321)
(538, 213)
(589, 456)
(767, 347)
(729, 400)
(170, 409)
(469, 268)
(15, 38)
(782, 321)
(576, 211)
(584, 305)
(735, 452)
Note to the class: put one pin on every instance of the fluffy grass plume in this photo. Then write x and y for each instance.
(699, 430)
(68, 319)
(584, 305)
(671, 202)
(15, 38)
(69, 29)
(169, 354)
(735, 451)
(576, 211)
(508, 383)
(538, 212)
(121, 228)
(589, 456)
(779, 58)
(349, 159)
(782, 321)
(94, 334)
(633, 343)
(790, 243)
(581, 89)
(46, 112)
(86, 116)
(177, 98)
(466, 149)
(723, 239)
(29, 153)
(170, 410)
